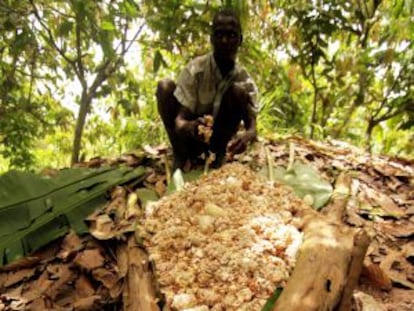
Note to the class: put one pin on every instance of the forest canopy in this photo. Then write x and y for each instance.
(77, 78)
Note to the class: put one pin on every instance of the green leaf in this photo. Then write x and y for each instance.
(270, 303)
(21, 41)
(306, 183)
(65, 28)
(146, 195)
(105, 40)
(130, 9)
(186, 177)
(178, 179)
(107, 25)
(157, 61)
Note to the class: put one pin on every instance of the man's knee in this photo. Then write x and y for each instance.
(235, 100)
(236, 94)
(165, 89)
(166, 102)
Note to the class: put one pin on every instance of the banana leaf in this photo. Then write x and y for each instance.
(35, 210)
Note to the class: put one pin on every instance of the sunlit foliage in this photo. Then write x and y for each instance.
(325, 69)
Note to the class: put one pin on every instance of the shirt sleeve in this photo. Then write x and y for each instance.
(186, 91)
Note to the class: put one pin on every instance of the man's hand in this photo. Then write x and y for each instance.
(191, 128)
(239, 144)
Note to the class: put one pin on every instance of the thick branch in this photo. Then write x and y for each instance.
(139, 290)
(361, 243)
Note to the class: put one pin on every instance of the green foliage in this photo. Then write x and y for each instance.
(306, 183)
(325, 69)
(272, 300)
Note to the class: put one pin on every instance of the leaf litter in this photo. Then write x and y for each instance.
(382, 202)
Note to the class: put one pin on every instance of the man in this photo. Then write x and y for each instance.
(212, 84)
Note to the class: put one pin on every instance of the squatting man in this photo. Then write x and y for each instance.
(202, 112)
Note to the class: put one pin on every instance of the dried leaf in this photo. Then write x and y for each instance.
(365, 302)
(18, 305)
(133, 210)
(376, 277)
(396, 259)
(83, 287)
(3, 277)
(106, 277)
(86, 303)
(62, 277)
(102, 228)
(403, 229)
(39, 287)
(131, 159)
(18, 276)
(70, 244)
(152, 177)
(22, 263)
(14, 293)
(117, 290)
(151, 150)
(116, 209)
(376, 203)
(409, 250)
(122, 260)
(160, 187)
(39, 304)
(410, 210)
(118, 191)
(66, 295)
(89, 259)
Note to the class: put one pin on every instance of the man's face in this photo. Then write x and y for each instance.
(226, 38)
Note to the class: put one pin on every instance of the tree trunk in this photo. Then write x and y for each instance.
(315, 103)
(80, 124)
(368, 134)
(359, 101)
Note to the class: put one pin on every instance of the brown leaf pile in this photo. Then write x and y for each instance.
(77, 273)
(84, 273)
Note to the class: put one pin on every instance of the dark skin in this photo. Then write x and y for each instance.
(226, 39)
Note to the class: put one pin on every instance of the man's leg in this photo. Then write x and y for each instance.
(233, 106)
(168, 106)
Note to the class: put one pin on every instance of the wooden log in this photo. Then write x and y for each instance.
(361, 243)
(139, 291)
(328, 264)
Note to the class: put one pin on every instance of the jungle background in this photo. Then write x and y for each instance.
(77, 78)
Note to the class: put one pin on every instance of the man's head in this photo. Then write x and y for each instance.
(226, 34)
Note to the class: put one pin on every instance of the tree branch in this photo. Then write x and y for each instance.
(59, 12)
(385, 99)
(79, 62)
(51, 40)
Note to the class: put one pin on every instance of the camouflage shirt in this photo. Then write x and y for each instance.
(200, 85)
